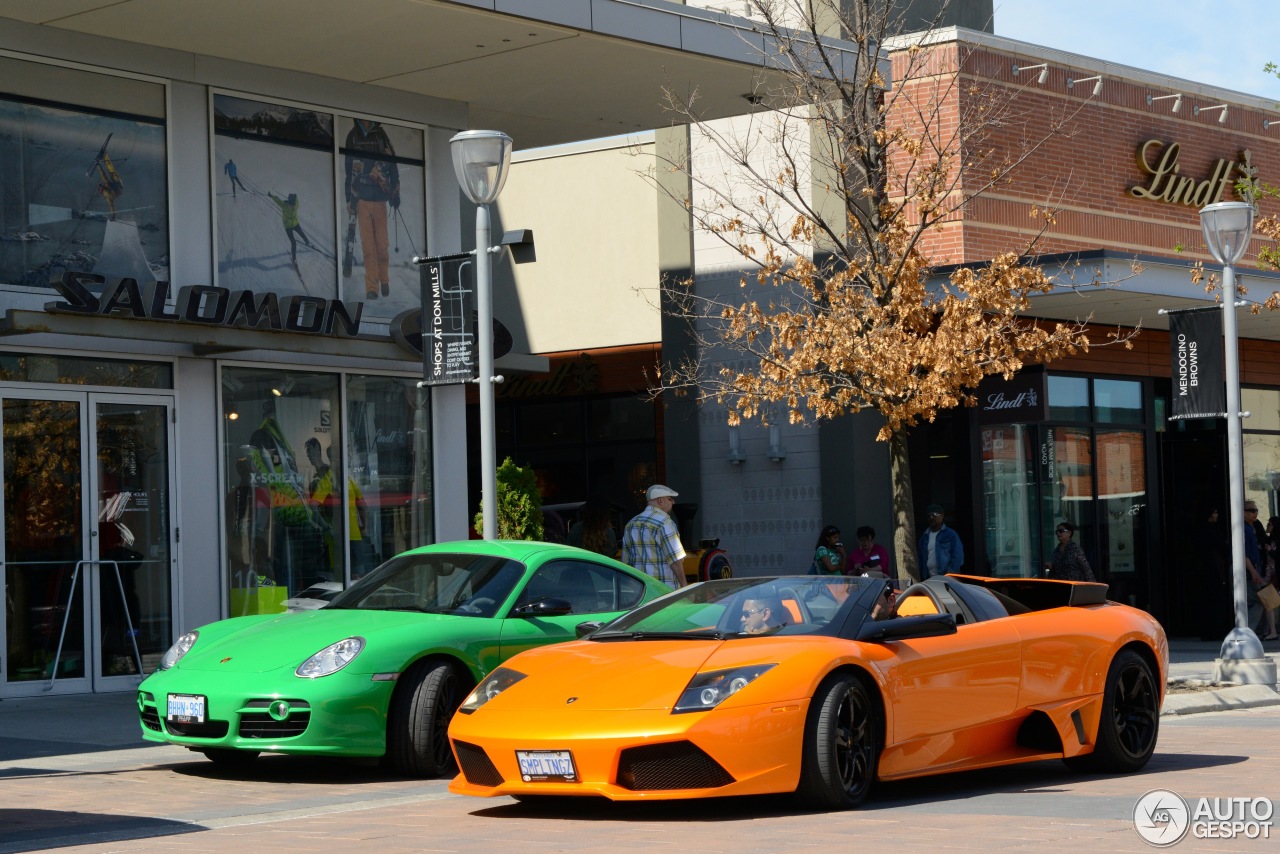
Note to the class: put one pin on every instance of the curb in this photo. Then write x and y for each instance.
(1223, 699)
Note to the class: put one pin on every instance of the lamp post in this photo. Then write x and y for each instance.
(1227, 227)
(480, 161)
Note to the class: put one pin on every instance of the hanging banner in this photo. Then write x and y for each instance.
(1195, 343)
(448, 320)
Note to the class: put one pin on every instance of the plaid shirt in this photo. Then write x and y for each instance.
(651, 544)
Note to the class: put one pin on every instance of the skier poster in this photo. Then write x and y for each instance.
(81, 192)
(274, 191)
(383, 204)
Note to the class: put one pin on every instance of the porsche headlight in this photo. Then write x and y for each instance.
(179, 649)
(490, 686)
(331, 659)
(708, 690)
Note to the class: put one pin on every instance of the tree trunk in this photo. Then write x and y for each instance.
(904, 521)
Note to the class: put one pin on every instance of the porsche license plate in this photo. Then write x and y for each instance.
(186, 709)
(547, 766)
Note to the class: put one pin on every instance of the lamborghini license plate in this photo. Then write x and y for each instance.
(546, 766)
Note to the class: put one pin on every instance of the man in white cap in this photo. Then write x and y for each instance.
(651, 542)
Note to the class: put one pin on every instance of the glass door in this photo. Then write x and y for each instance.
(131, 588)
(88, 560)
(45, 544)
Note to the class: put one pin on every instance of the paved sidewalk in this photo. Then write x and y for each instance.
(1191, 665)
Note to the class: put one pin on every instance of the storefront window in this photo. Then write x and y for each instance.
(1262, 449)
(389, 489)
(1117, 401)
(579, 447)
(1010, 497)
(85, 182)
(69, 370)
(1122, 493)
(1263, 406)
(1067, 485)
(1068, 398)
(283, 532)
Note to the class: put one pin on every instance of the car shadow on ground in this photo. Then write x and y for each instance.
(36, 829)
(1038, 777)
(293, 769)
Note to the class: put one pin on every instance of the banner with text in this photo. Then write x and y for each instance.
(448, 320)
(1195, 344)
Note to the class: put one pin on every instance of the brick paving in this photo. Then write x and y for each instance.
(74, 775)
(166, 799)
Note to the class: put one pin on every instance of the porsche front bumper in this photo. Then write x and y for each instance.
(340, 715)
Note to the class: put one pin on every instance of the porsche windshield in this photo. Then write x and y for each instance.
(464, 584)
(740, 607)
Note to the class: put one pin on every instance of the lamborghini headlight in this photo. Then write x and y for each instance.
(708, 690)
(490, 686)
(331, 659)
(179, 649)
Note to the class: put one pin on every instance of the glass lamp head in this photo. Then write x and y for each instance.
(1227, 227)
(480, 160)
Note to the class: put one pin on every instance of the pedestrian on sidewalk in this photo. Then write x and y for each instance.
(651, 542)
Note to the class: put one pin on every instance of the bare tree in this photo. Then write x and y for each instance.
(837, 194)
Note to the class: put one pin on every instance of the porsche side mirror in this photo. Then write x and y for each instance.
(903, 628)
(584, 629)
(547, 606)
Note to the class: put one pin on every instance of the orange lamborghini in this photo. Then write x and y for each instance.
(819, 686)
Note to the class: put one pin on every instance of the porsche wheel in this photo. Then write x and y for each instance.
(418, 720)
(225, 757)
(841, 745)
(1130, 720)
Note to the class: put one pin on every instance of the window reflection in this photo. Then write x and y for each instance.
(1122, 490)
(389, 470)
(278, 449)
(1010, 494)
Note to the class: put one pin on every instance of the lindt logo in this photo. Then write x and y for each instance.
(998, 401)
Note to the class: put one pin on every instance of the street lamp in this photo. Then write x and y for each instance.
(480, 161)
(1227, 228)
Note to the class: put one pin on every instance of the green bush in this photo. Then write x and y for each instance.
(519, 504)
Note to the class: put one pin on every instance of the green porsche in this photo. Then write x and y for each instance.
(380, 670)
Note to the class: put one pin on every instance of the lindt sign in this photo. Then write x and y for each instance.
(1019, 399)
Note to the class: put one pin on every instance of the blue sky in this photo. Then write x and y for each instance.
(1216, 42)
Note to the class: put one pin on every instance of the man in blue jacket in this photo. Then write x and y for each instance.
(939, 548)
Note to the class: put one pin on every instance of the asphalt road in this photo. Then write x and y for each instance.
(73, 793)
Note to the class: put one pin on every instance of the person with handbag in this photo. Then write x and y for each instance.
(1267, 593)
(1256, 569)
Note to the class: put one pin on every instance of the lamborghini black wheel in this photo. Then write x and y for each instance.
(841, 745)
(1130, 721)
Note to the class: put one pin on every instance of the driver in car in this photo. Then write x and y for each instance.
(762, 615)
(886, 606)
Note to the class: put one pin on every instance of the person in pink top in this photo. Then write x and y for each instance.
(868, 555)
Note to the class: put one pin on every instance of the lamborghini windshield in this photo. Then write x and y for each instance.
(468, 585)
(741, 607)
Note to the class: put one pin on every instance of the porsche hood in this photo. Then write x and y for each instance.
(289, 639)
